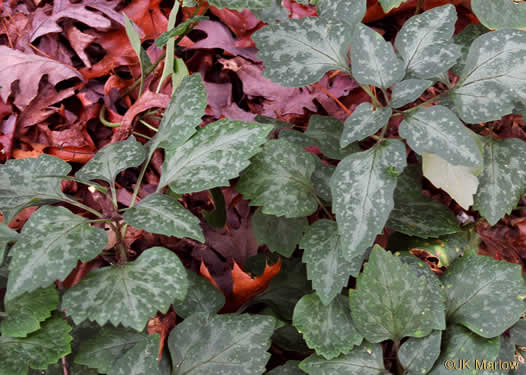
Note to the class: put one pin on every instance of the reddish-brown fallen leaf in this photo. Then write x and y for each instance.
(242, 23)
(7, 134)
(162, 324)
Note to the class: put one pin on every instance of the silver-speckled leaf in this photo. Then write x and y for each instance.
(22, 183)
(387, 5)
(182, 115)
(483, 294)
(500, 14)
(493, 76)
(425, 42)
(7, 235)
(113, 159)
(289, 368)
(418, 355)
(503, 179)
(366, 359)
(464, 40)
(297, 53)
(129, 294)
(328, 329)
(362, 192)
(518, 333)
(374, 61)
(216, 154)
(26, 312)
(321, 178)
(391, 301)
(158, 213)
(349, 12)
(276, 12)
(221, 344)
(241, 4)
(415, 214)
(327, 132)
(201, 297)
(327, 268)
(38, 350)
(125, 352)
(279, 179)
(437, 130)
(364, 122)
(280, 234)
(461, 344)
(408, 90)
(52, 242)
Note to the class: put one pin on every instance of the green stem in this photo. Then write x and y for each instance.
(434, 98)
(153, 128)
(141, 135)
(399, 369)
(104, 121)
(146, 73)
(419, 4)
(368, 91)
(84, 207)
(114, 195)
(323, 206)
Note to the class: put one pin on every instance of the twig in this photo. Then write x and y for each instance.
(336, 100)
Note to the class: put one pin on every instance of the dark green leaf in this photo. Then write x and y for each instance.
(364, 122)
(464, 40)
(289, 368)
(178, 30)
(321, 178)
(418, 355)
(327, 131)
(518, 333)
(7, 235)
(201, 297)
(216, 217)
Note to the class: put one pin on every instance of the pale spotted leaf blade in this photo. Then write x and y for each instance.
(241, 4)
(418, 355)
(408, 90)
(364, 122)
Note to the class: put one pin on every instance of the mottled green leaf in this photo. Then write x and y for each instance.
(7, 235)
(38, 350)
(502, 181)
(229, 344)
(321, 178)
(22, 183)
(26, 312)
(387, 5)
(518, 333)
(437, 130)
(462, 345)
(280, 234)
(416, 214)
(119, 351)
(158, 213)
(500, 14)
(201, 297)
(374, 61)
(289, 368)
(52, 241)
(297, 53)
(408, 90)
(241, 4)
(483, 294)
(276, 12)
(364, 122)
(326, 266)
(327, 131)
(366, 359)
(492, 77)
(425, 42)
(464, 40)
(279, 179)
(129, 294)
(135, 42)
(349, 12)
(417, 355)
(362, 191)
(182, 115)
(216, 154)
(391, 301)
(112, 159)
(328, 329)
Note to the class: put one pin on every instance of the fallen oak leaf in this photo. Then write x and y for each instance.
(162, 324)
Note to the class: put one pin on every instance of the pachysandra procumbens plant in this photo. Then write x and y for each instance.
(474, 308)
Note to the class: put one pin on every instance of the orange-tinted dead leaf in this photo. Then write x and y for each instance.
(162, 324)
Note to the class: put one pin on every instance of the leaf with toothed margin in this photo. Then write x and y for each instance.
(362, 188)
(129, 294)
(326, 266)
(52, 242)
(279, 179)
(461, 344)
(364, 122)
(38, 350)
(7, 235)
(321, 325)
(391, 301)
(241, 4)
(348, 12)
(120, 351)
(26, 312)
(289, 368)
(366, 359)
(158, 213)
(201, 297)
(493, 77)
(280, 234)
(221, 344)
(297, 53)
(408, 90)
(483, 294)
(503, 179)
(213, 156)
(418, 355)
(425, 42)
(374, 61)
(182, 116)
(113, 159)
(437, 130)
(23, 183)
